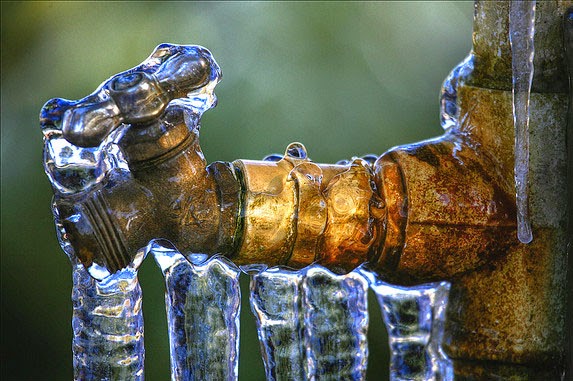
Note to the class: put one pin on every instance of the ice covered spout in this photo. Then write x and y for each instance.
(99, 150)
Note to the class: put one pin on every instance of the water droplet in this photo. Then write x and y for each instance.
(296, 151)
(273, 157)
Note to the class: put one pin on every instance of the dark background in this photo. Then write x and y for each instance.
(345, 79)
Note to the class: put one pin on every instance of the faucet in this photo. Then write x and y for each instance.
(441, 209)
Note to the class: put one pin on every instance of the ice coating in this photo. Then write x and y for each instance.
(312, 323)
(335, 324)
(203, 307)
(80, 151)
(449, 113)
(79, 143)
(414, 318)
(521, 33)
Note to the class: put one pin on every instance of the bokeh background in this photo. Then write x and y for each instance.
(345, 79)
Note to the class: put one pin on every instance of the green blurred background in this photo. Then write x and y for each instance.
(343, 78)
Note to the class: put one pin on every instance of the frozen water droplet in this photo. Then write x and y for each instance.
(296, 151)
(273, 157)
(370, 158)
(343, 162)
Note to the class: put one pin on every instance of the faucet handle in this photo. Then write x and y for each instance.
(136, 96)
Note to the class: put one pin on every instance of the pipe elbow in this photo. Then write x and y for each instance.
(447, 213)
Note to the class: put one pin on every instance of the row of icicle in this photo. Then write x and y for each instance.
(312, 324)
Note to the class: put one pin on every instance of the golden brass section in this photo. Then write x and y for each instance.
(269, 218)
(351, 232)
(296, 212)
(312, 213)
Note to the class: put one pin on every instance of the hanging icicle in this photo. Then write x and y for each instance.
(107, 326)
(521, 32)
(276, 302)
(414, 318)
(203, 306)
(312, 323)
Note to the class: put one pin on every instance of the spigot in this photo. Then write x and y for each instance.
(153, 182)
(100, 150)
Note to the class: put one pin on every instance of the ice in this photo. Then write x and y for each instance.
(276, 303)
(80, 136)
(203, 307)
(521, 32)
(414, 318)
(107, 326)
(449, 113)
(312, 323)
(335, 324)
(107, 321)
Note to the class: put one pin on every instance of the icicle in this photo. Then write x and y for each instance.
(335, 324)
(414, 318)
(107, 326)
(107, 320)
(275, 301)
(203, 306)
(312, 323)
(521, 32)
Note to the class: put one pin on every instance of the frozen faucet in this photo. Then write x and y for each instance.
(127, 169)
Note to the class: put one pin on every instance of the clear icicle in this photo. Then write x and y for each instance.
(521, 32)
(312, 323)
(335, 324)
(107, 320)
(203, 307)
(107, 326)
(414, 318)
(275, 301)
